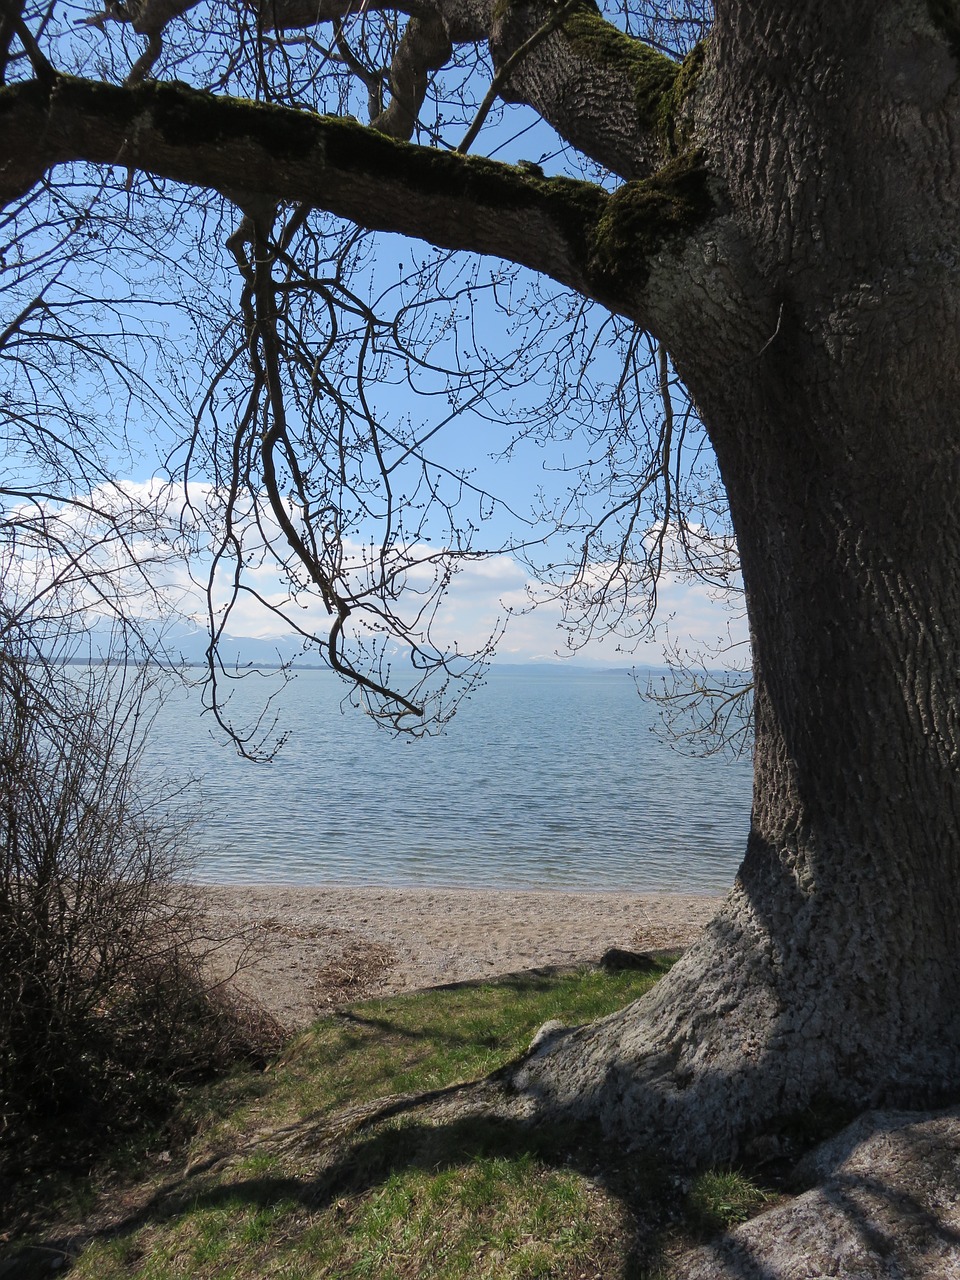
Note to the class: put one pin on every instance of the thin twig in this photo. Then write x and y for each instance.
(506, 71)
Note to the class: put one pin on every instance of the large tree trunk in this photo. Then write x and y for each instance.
(832, 971)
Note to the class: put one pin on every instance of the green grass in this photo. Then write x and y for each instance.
(262, 1191)
(407, 1044)
(723, 1198)
(428, 1040)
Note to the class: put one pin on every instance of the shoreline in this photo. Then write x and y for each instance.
(303, 949)
(379, 886)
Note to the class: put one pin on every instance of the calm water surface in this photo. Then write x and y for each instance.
(542, 780)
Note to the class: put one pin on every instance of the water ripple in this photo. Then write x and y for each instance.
(541, 781)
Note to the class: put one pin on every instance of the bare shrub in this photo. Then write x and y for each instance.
(104, 1004)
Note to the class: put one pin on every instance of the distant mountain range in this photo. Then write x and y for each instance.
(190, 647)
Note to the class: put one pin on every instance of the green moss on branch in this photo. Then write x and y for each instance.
(581, 234)
(642, 218)
(186, 117)
(673, 123)
(598, 41)
(662, 87)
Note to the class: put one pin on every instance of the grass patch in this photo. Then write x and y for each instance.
(264, 1193)
(723, 1198)
(405, 1044)
(433, 1038)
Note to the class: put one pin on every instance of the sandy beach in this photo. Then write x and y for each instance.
(303, 950)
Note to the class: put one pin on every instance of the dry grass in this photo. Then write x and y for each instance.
(353, 974)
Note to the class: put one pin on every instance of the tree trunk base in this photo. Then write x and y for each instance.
(736, 1053)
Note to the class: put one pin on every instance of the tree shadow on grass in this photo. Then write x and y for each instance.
(893, 1212)
(452, 1132)
(427, 1035)
(378, 1015)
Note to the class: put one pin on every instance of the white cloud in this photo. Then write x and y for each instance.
(483, 595)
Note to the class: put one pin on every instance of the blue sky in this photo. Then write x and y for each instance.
(487, 593)
(546, 383)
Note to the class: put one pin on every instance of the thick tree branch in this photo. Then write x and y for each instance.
(612, 97)
(562, 228)
(609, 95)
(424, 47)
(293, 15)
(506, 69)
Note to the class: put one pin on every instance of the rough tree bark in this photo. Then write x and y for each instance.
(829, 382)
(788, 229)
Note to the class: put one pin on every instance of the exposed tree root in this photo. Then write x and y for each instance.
(745, 1049)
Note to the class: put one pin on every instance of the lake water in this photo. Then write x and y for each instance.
(542, 780)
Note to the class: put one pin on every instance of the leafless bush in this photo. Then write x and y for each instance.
(103, 998)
